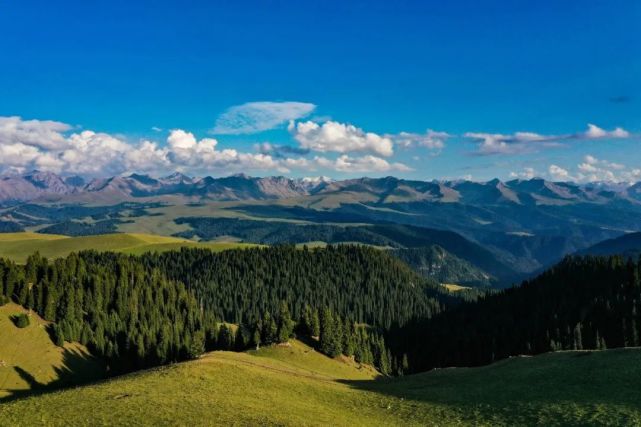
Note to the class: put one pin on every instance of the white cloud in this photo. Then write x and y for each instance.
(340, 138)
(595, 132)
(92, 153)
(517, 143)
(368, 163)
(526, 173)
(559, 174)
(528, 142)
(254, 117)
(17, 155)
(38, 133)
(592, 169)
(432, 140)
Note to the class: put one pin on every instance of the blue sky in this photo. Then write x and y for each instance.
(366, 74)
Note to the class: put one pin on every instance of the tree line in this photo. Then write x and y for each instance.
(136, 312)
(581, 303)
(123, 311)
(141, 311)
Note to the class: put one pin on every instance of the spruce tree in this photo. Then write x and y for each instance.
(285, 323)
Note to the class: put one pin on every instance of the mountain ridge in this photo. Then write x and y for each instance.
(47, 186)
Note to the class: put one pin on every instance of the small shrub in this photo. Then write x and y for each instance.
(3, 300)
(20, 320)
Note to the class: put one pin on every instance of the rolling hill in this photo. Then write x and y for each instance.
(18, 246)
(287, 385)
(30, 361)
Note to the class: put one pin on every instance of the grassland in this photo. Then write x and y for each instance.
(18, 246)
(452, 287)
(29, 360)
(292, 386)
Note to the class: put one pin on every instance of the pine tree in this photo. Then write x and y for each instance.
(327, 337)
(256, 336)
(285, 323)
(315, 325)
(405, 365)
(577, 338)
(197, 344)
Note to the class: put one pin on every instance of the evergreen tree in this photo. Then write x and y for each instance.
(285, 323)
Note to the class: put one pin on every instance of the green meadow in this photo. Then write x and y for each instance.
(294, 385)
(18, 246)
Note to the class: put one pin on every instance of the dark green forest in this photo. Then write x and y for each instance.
(142, 311)
(139, 312)
(361, 283)
(581, 303)
(132, 316)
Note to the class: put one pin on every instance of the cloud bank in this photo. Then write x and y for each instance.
(53, 146)
(529, 142)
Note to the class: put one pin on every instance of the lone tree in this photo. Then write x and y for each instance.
(21, 320)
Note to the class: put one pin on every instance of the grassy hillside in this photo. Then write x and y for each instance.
(18, 246)
(29, 359)
(292, 386)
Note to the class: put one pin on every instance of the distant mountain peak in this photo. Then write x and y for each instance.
(37, 184)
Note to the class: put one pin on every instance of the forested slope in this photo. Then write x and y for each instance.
(138, 312)
(581, 303)
(363, 284)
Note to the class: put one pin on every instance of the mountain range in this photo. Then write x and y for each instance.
(48, 186)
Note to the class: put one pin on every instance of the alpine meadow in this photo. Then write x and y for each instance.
(363, 213)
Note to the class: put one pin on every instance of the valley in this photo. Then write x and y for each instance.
(506, 231)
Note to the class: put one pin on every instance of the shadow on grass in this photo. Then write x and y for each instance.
(77, 368)
(521, 390)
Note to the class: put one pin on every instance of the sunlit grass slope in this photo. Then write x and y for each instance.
(291, 386)
(30, 360)
(453, 287)
(18, 246)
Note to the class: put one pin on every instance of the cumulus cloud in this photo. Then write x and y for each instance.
(526, 173)
(92, 153)
(592, 169)
(595, 132)
(38, 133)
(254, 117)
(559, 174)
(432, 140)
(46, 145)
(340, 138)
(528, 142)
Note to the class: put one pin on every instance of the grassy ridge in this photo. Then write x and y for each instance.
(290, 386)
(30, 360)
(18, 246)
